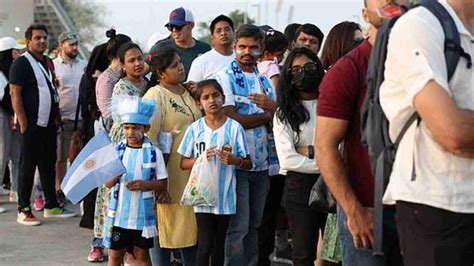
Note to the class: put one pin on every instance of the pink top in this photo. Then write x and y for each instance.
(103, 90)
(269, 68)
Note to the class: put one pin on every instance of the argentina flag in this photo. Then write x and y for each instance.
(96, 163)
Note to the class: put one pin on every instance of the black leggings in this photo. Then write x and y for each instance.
(212, 230)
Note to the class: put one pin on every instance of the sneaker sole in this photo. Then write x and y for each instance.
(96, 260)
(28, 223)
(39, 209)
(282, 260)
(70, 215)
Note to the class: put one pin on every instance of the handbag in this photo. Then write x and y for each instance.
(320, 198)
(77, 141)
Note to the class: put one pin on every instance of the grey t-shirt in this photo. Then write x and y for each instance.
(187, 54)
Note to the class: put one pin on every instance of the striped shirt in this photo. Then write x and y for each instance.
(130, 213)
(197, 139)
(237, 96)
(103, 89)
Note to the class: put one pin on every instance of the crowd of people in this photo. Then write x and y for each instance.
(274, 117)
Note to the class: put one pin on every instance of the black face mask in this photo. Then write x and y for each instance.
(307, 80)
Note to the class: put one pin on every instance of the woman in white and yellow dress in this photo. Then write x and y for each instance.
(176, 111)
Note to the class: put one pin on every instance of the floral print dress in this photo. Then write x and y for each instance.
(122, 87)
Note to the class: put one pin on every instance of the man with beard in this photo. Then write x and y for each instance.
(349, 177)
(222, 36)
(69, 69)
(181, 26)
(250, 100)
(35, 102)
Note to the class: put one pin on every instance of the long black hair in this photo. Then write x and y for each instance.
(290, 109)
(6, 60)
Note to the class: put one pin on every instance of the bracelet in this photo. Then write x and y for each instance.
(241, 163)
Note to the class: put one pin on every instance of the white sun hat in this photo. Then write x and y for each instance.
(7, 43)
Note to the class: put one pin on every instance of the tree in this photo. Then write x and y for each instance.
(87, 16)
(237, 16)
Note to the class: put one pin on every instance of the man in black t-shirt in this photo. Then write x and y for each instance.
(35, 102)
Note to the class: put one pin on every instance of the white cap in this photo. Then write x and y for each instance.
(7, 43)
(154, 38)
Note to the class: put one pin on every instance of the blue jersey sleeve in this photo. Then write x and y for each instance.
(186, 146)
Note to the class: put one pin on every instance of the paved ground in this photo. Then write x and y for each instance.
(54, 242)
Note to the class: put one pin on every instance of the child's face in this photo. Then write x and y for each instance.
(211, 100)
(279, 55)
(134, 134)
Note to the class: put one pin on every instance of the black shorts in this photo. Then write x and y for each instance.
(128, 238)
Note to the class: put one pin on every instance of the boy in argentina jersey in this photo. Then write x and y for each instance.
(130, 223)
(222, 140)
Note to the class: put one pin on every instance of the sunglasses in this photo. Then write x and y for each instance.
(177, 28)
(310, 66)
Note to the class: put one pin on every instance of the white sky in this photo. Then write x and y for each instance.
(141, 18)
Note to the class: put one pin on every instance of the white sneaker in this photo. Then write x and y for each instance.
(26, 217)
(2, 210)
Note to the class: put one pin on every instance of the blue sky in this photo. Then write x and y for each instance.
(141, 18)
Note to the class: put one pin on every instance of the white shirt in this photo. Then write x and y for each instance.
(69, 77)
(208, 64)
(285, 142)
(416, 56)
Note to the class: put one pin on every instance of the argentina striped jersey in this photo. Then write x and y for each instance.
(130, 212)
(197, 139)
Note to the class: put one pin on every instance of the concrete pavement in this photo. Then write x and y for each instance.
(54, 242)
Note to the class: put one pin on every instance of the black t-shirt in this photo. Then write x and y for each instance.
(187, 54)
(22, 74)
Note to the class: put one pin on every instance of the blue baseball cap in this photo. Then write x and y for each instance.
(180, 17)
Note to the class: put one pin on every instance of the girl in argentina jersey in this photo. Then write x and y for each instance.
(222, 140)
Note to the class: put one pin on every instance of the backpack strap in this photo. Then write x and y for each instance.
(452, 44)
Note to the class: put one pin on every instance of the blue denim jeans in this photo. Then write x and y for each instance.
(352, 256)
(241, 245)
(162, 256)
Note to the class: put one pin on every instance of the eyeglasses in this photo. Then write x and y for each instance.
(178, 28)
(310, 66)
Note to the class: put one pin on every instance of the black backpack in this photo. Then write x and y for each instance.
(374, 124)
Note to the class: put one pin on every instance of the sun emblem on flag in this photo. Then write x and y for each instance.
(89, 164)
